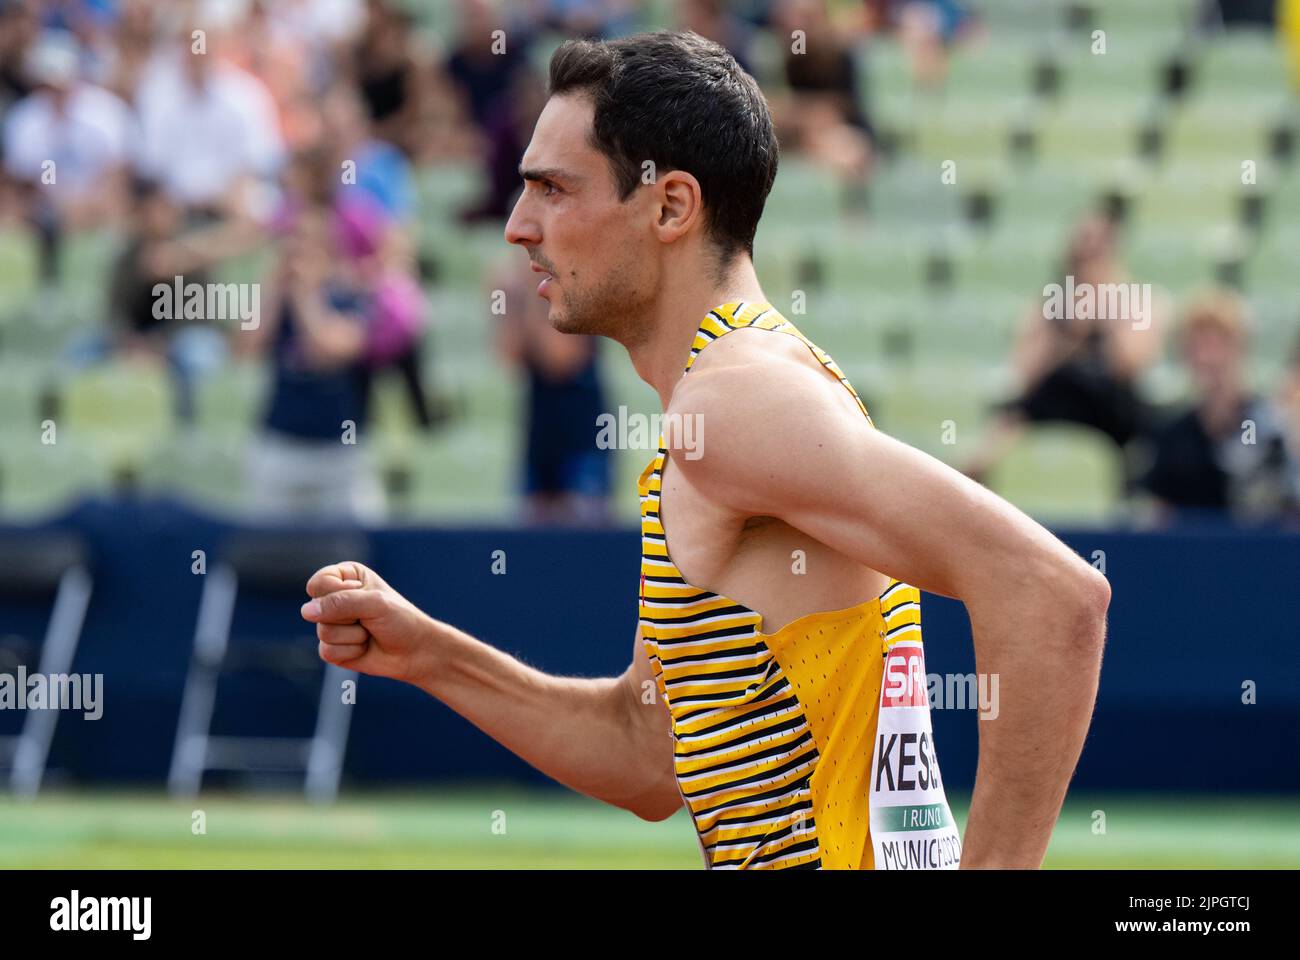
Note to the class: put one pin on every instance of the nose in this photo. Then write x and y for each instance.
(522, 228)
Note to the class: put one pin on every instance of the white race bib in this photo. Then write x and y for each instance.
(911, 825)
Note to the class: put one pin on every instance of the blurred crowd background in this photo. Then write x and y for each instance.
(349, 165)
(253, 282)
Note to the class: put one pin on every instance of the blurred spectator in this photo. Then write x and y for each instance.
(381, 172)
(449, 135)
(152, 253)
(592, 19)
(373, 208)
(566, 476)
(388, 68)
(393, 304)
(310, 456)
(927, 30)
(279, 60)
(65, 145)
(1227, 452)
(713, 20)
(483, 76)
(211, 135)
(1218, 14)
(820, 116)
(509, 128)
(129, 47)
(325, 29)
(19, 28)
(1081, 367)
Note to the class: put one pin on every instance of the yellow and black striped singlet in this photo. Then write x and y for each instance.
(773, 733)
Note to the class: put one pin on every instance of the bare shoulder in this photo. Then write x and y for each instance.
(752, 404)
(750, 361)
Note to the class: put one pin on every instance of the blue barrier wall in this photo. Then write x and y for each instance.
(1194, 615)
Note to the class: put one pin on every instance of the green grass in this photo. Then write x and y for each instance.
(551, 829)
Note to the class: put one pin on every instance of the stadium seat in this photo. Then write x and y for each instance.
(1064, 472)
(1244, 63)
(43, 479)
(804, 191)
(120, 409)
(206, 469)
(269, 563)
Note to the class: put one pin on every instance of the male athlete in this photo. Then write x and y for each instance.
(777, 683)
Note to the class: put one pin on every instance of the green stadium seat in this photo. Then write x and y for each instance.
(1129, 70)
(1169, 257)
(229, 401)
(972, 133)
(17, 270)
(463, 473)
(919, 402)
(886, 86)
(1156, 24)
(443, 190)
(996, 69)
(21, 386)
(1089, 135)
(1007, 261)
(39, 480)
(1045, 199)
(1223, 130)
(1192, 193)
(461, 255)
(1244, 63)
(1024, 18)
(205, 469)
(910, 198)
(1062, 473)
(120, 410)
(804, 191)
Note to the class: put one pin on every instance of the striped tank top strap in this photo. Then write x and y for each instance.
(735, 316)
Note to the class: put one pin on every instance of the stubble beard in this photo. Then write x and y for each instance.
(614, 309)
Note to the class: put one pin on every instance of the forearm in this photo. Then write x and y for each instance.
(576, 730)
(1043, 644)
(202, 248)
(328, 338)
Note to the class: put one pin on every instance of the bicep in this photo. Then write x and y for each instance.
(902, 511)
(794, 451)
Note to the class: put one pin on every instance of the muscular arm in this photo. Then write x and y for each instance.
(598, 736)
(781, 441)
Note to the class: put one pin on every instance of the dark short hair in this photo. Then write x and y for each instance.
(683, 103)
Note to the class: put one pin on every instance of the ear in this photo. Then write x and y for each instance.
(681, 205)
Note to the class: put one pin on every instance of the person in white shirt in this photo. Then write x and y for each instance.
(66, 148)
(210, 132)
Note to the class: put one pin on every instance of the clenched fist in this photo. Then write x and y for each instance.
(363, 624)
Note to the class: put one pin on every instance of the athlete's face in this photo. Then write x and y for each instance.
(593, 253)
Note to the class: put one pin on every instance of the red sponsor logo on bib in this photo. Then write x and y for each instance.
(904, 683)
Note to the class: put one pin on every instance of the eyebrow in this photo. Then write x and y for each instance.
(545, 173)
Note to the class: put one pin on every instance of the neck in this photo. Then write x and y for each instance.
(1221, 402)
(675, 317)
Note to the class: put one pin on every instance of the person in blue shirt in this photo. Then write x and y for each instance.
(310, 457)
